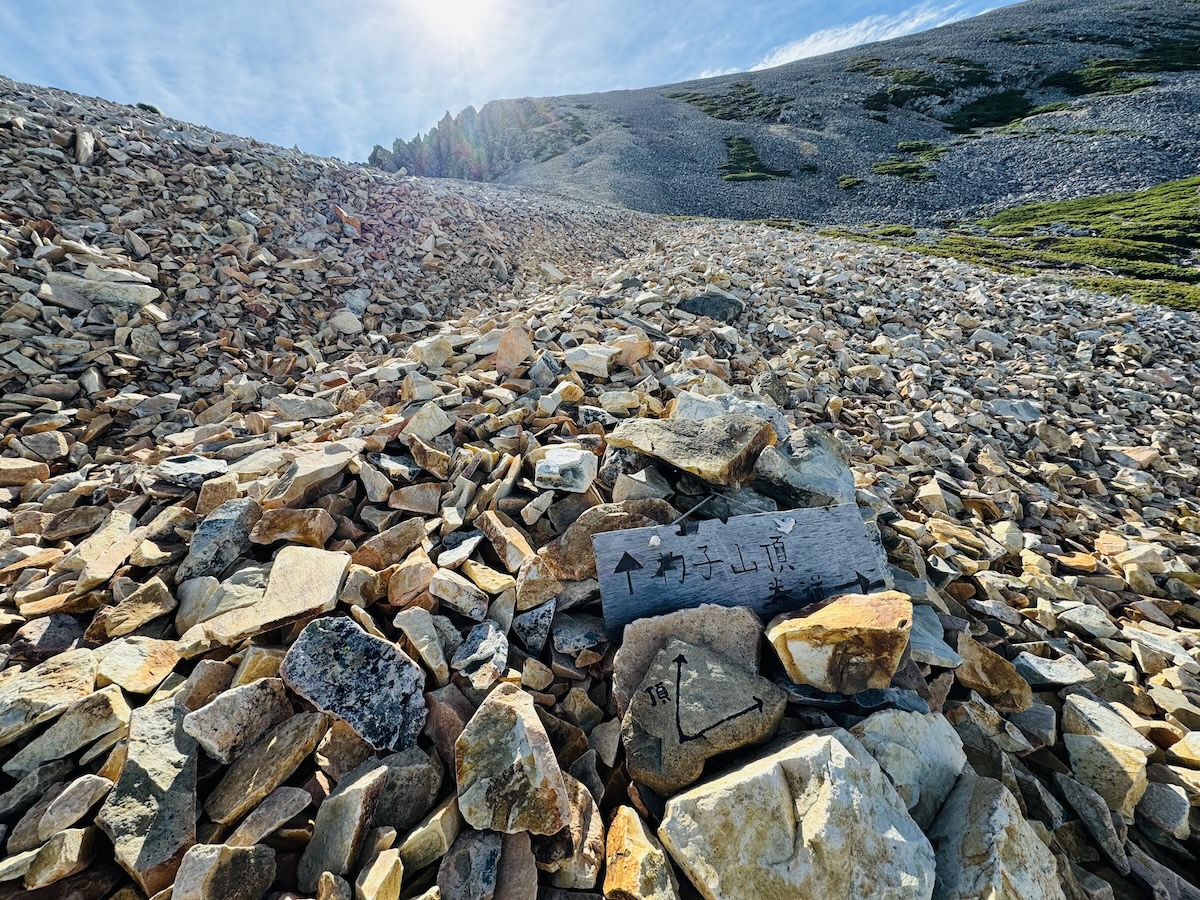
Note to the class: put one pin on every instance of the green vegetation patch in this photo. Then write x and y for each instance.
(743, 163)
(904, 169)
(1141, 243)
(741, 103)
(991, 111)
(907, 86)
(1117, 75)
(848, 182)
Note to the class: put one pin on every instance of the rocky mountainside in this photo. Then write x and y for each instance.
(1042, 100)
(300, 467)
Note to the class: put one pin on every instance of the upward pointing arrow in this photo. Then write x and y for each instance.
(627, 565)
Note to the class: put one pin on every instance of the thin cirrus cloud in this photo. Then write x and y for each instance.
(880, 27)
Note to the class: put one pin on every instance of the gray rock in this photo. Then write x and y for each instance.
(1041, 672)
(471, 868)
(190, 471)
(693, 705)
(368, 682)
(238, 717)
(150, 816)
(341, 824)
(299, 408)
(412, 783)
(220, 539)
(532, 628)
(715, 306)
(921, 754)
(483, 656)
(926, 641)
(985, 848)
(221, 872)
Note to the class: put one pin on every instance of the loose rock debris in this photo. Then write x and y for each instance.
(301, 466)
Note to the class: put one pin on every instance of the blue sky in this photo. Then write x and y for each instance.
(338, 77)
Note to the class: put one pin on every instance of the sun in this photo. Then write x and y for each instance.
(460, 24)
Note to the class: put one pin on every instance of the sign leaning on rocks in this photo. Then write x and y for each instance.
(771, 562)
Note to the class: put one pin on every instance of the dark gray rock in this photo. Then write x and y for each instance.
(532, 628)
(220, 539)
(366, 681)
(470, 870)
(190, 471)
(715, 306)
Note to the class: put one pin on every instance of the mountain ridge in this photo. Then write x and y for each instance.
(1036, 101)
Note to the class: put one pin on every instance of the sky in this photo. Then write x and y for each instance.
(336, 78)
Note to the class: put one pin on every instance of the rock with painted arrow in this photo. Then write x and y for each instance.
(692, 705)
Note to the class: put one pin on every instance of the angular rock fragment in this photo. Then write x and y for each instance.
(341, 825)
(721, 450)
(366, 681)
(985, 848)
(815, 818)
(30, 698)
(150, 816)
(304, 581)
(636, 866)
(264, 767)
(853, 643)
(238, 717)
(211, 871)
(219, 540)
(508, 778)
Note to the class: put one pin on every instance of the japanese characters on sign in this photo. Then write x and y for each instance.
(773, 563)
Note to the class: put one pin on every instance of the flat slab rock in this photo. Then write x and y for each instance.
(366, 681)
(692, 705)
(721, 450)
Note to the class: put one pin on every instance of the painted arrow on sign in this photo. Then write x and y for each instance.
(684, 737)
(627, 566)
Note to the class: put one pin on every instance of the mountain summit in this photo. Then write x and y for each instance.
(1042, 100)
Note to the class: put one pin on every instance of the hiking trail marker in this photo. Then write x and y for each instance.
(770, 562)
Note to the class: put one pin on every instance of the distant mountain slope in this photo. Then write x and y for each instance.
(1047, 99)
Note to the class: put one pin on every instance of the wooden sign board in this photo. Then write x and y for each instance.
(771, 562)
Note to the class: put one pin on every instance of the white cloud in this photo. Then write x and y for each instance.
(865, 31)
(713, 73)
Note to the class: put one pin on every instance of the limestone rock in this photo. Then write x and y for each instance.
(19, 472)
(985, 848)
(238, 717)
(368, 682)
(1114, 771)
(30, 698)
(309, 469)
(410, 789)
(815, 818)
(853, 643)
(84, 721)
(276, 808)
(264, 767)
(508, 778)
(341, 824)
(304, 581)
(219, 871)
(66, 853)
(137, 664)
(636, 866)
(721, 450)
(150, 816)
(575, 854)
(310, 527)
(732, 632)
(992, 676)
(692, 705)
(921, 754)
